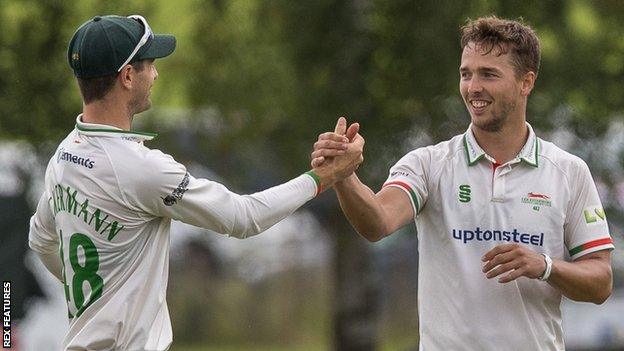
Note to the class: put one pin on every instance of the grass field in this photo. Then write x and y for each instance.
(388, 345)
(246, 348)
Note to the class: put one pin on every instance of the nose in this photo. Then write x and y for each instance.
(474, 85)
(155, 72)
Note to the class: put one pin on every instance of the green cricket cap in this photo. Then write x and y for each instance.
(105, 44)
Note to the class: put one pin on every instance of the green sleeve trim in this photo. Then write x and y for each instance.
(317, 180)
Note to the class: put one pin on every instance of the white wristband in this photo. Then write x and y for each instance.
(548, 269)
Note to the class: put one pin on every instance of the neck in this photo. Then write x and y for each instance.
(104, 111)
(505, 144)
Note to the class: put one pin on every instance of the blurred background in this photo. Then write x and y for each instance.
(241, 101)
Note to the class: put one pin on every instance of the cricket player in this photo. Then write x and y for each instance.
(508, 223)
(102, 224)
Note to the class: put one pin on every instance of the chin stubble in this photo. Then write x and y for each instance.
(496, 123)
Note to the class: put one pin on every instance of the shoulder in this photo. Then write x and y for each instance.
(136, 158)
(139, 168)
(436, 154)
(552, 155)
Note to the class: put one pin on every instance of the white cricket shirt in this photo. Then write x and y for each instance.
(545, 199)
(106, 210)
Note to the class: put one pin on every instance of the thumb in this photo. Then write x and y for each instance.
(341, 126)
(352, 131)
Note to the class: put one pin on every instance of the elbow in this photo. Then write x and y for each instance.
(599, 299)
(246, 231)
(373, 238)
(605, 290)
(603, 294)
(373, 235)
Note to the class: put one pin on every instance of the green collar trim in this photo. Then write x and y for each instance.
(102, 129)
(530, 150)
(474, 153)
(529, 153)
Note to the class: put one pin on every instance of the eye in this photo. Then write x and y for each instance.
(489, 75)
(464, 75)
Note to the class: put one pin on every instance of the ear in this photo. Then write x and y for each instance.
(126, 76)
(528, 82)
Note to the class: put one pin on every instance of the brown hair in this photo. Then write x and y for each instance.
(96, 88)
(504, 35)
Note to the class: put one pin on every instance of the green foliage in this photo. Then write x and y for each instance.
(278, 73)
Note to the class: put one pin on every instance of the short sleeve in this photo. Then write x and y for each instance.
(42, 236)
(410, 175)
(585, 229)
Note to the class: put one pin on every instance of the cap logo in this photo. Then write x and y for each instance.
(75, 56)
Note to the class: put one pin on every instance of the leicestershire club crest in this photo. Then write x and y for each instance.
(537, 200)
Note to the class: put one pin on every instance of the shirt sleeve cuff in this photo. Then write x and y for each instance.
(591, 246)
(408, 190)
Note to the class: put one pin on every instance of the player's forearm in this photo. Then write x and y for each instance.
(588, 280)
(257, 212)
(360, 206)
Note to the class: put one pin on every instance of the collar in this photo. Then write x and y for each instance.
(528, 153)
(92, 129)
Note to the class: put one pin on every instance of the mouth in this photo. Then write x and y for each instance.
(479, 106)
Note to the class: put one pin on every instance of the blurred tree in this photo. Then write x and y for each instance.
(36, 100)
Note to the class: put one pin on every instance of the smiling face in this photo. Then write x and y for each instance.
(490, 87)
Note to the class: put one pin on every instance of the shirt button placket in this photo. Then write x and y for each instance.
(498, 184)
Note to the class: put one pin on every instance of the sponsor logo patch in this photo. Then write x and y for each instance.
(178, 192)
(396, 173)
(537, 200)
(514, 235)
(69, 157)
(594, 215)
(464, 193)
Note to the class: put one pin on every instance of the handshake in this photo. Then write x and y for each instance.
(337, 155)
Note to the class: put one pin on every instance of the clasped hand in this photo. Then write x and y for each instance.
(338, 154)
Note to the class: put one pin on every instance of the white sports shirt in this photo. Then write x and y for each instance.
(106, 210)
(545, 198)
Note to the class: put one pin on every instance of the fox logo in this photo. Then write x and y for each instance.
(538, 196)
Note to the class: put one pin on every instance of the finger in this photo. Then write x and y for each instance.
(503, 268)
(341, 126)
(352, 131)
(497, 250)
(357, 139)
(334, 137)
(317, 161)
(499, 259)
(329, 144)
(513, 275)
(327, 153)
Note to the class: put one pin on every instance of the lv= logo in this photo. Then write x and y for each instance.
(594, 215)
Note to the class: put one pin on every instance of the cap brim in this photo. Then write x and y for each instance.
(162, 45)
